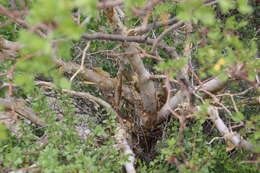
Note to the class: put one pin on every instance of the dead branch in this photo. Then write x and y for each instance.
(124, 146)
(234, 137)
(19, 106)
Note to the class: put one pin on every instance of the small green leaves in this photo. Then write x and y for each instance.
(226, 5)
(68, 28)
(186, 9)
(167, 7)
(64, 49)
(205, 15)
(88, 6)
(25, 81)
(135, 3)
(238, 116)
(3, 134)
(172, 66)
(33, 43)
(214, 34)
(195, 11)
(243, 6)
(63, 83)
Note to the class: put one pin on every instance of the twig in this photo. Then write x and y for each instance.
(251, 161)
(146, 28)
(217, 101)
(176, 25)
(213, 139)
(138, 39)
(82, 62)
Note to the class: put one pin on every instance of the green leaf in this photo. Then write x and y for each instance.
(25, 81)
(238, 116)
(64, 83)
(214, 34)
(90, 6)
(205, 15)
(167, 7)
(33, 43)
(64, 48)
(226, 5)
(69, 28)
(243, 7)
(135, 3)
(3, 134)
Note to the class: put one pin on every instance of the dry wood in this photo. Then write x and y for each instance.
(19, 106)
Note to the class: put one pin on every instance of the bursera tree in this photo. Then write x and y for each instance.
(179, 80)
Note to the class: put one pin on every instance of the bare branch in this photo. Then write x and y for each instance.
(19, 106)
(103, 82)
(212, 86)
(82, 62)
(235, 138)
(138, 39)
(146, 85)
(86, 74)
(149, 27)
(176, 25)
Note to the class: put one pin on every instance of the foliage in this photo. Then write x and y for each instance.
(224, 42)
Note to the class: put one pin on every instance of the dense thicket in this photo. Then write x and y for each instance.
(129, 86)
